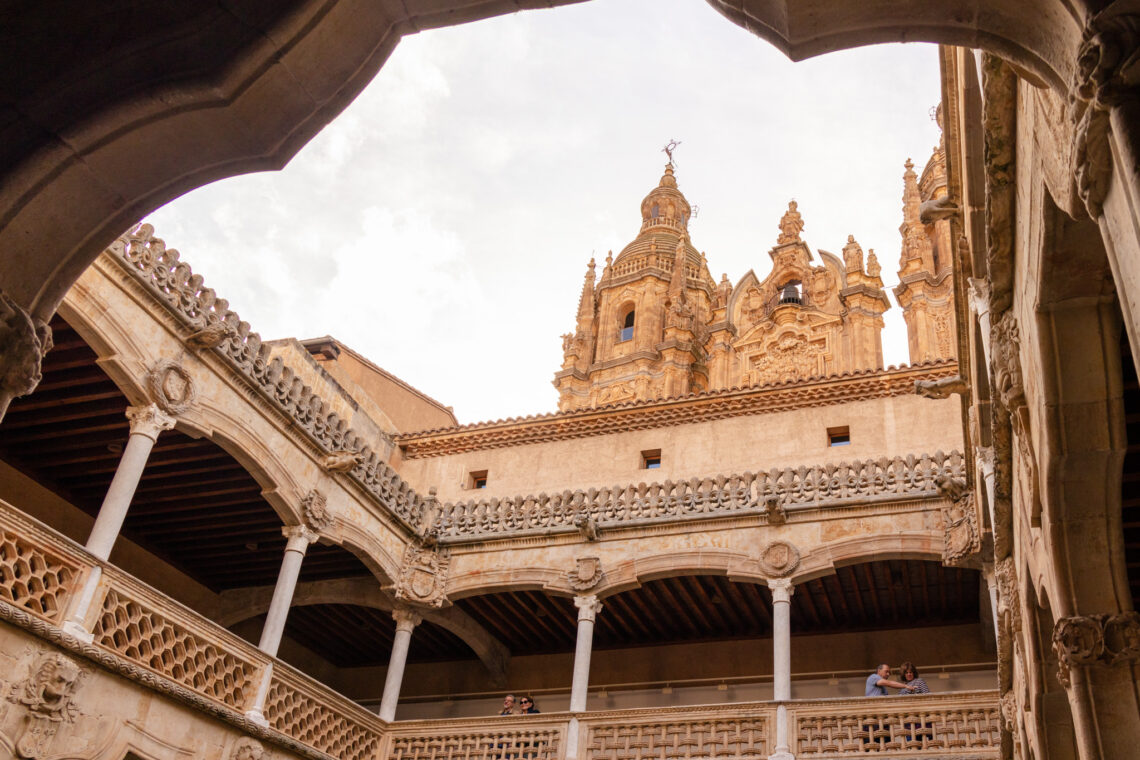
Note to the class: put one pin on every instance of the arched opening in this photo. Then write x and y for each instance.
(791, 292)
(626, 332)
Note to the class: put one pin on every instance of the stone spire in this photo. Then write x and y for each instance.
(586, 301)
(915, 242)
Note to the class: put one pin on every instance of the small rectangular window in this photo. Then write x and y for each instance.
(651, 459)
(626, 334)
(477, 479)
(839, 436)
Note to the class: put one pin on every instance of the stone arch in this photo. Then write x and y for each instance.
(112, 142)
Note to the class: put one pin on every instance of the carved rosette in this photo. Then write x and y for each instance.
(423, 574)
(48, 695)
(171, 387)
(314, 506)
(246, 748)
(1122, 637)
(586, 573)
(24, 340)
(779, 559)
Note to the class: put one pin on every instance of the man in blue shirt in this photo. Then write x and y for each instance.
(878, 682)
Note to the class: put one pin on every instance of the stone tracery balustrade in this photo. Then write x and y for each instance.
(910, 477)
(167, 647)
(163, 273)
(930, 725)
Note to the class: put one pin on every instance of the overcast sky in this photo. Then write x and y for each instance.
(442, 224)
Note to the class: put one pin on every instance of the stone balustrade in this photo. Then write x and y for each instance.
(145, 636)
(930, 725)
(774, 493)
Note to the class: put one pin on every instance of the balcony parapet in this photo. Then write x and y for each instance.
(930, 725)
(773, 494)
(146, 637)
(172, 282)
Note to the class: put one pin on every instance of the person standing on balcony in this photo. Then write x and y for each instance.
(878, 682)
(509, 706)
(528, 706)
(914, 684)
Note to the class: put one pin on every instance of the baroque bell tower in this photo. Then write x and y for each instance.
(642, 325)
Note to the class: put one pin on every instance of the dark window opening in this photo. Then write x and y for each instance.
(477, 479)
(651, 459)
(627, 327)
(840, 436)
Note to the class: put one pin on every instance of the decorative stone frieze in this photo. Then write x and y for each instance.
(625, 416)
(779, 559)
(770, 493)
(24, 340)
(999, 110)
(1091, 639)
(586, 573)
(171, 387)
(314, 506)
(149, 420)
(48, 695)
(423, 573)
(963, 539)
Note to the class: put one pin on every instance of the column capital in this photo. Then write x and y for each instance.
(406, 619)
(300, 536)
(588, 607)
(149, 420)
(782, 589)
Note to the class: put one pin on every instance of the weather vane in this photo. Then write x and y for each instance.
(669, 148)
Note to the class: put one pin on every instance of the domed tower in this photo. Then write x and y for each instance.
(643, 325)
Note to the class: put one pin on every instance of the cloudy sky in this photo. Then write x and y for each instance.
(442, 224)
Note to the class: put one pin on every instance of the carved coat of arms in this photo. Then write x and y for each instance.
(423, 575)
(586, 574)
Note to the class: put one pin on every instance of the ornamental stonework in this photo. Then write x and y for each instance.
(47, 693)
(423, 574)
(586, 574)
(779, 559)
(171, 387)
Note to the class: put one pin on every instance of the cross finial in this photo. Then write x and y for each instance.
(669, 148)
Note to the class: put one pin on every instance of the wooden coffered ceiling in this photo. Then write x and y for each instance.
(196, 507)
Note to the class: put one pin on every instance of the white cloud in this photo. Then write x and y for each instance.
(442, 224)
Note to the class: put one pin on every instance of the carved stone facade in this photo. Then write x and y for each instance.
(657, 325)
(47, 693)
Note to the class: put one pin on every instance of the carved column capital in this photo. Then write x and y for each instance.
(782, 589)
(406, 619)
(588, 607)
(300, 537)
(149, 420)
(23, 342)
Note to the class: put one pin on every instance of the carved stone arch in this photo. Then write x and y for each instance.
(738, 566)
(365, 546)
(1050, 726)
(822, 560)
(477, 582)
(747, 281)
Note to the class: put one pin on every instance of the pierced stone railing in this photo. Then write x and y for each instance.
(145, 636)
(172, 280)
(952, 724)
(910, 477)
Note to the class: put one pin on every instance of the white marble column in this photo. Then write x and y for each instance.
(146, 423)
(406, 620)
(588, 609)
(781, 661)
(299, 538)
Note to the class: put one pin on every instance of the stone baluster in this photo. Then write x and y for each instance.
(781, 661)
(299, 538)
(406, 620)
(146, 423)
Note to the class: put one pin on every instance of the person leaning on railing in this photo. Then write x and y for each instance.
(914, 684)
(878, 682)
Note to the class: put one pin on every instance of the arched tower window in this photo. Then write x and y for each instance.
(790, 292)
(627, 327)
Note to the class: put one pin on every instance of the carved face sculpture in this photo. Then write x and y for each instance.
(1008, 383)
(56, 679)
